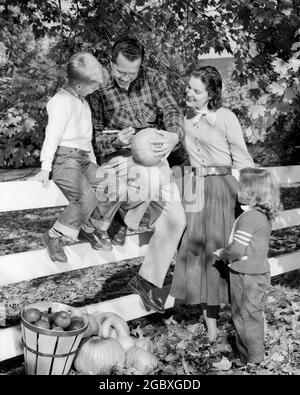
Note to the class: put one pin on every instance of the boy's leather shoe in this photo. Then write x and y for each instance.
(147, 295)
(96, 240)
(106, 244)
(54, 248)
(117, 231)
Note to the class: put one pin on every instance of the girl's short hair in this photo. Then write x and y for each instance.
(212, 79)
(261, 189)
(83, 67)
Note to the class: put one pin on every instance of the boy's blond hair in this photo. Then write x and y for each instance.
(83, 67)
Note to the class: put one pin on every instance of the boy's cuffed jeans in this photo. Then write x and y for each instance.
(248, 299)
(93, 193)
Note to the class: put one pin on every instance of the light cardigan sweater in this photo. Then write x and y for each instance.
(69, 125)
(216, 140)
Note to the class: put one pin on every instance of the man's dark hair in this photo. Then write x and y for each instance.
(212, 79)
(129, 47)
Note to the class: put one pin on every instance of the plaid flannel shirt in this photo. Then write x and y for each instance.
(115, 108)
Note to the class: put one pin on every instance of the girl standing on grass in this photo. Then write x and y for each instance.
(248, 263)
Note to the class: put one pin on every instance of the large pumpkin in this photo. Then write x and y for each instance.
(141, 147)
(99, 356)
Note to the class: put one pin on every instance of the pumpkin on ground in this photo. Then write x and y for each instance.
(98, 356)
(142, 360)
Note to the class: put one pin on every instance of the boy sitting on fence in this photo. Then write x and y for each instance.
(67, 152)
(249, 266)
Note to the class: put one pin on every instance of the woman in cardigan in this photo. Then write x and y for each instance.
(215, 144)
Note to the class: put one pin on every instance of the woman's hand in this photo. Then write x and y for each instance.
(42, 176)
(163, 145)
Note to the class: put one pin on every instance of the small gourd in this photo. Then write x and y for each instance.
(98, 356)
(100, 318)
(123, 337)
(142, 360)
(93, 327)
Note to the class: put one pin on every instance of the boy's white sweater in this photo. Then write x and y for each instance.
(69, 125)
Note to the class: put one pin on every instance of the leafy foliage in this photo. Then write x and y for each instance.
(262, 35)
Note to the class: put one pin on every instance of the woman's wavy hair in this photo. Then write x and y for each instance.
(212, 79)
(261, 191)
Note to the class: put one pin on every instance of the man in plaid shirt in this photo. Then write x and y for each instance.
(134, 99)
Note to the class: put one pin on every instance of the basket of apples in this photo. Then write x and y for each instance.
(51, 335)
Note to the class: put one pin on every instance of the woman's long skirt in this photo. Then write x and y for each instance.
(199, 277)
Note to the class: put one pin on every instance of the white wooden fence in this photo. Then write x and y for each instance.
(24, 195)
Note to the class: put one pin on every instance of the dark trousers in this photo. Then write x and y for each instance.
(248, 299)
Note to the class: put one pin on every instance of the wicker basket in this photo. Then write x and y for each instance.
(49, 352)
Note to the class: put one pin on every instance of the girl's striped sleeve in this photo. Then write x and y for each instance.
(243, 233)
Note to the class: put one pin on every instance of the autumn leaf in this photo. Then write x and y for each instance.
(283, 107)
(289, 95)
(224, 364)
(280, 66)
(257, 111)
(188, 370)
(170, 321)
(277, 89)
(171, 357)
(138, 332)
(29, 123)
(276, 357)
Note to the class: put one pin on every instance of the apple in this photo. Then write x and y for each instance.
(57, 328)
(45, 316)
(76, 323)
(62, 319)
(42, 324)
(32, 315)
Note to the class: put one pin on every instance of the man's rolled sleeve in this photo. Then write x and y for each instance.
(172, 115)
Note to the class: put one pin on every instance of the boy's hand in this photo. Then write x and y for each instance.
(164, 143)
(218, 252)
(125, 136)
(42, 176)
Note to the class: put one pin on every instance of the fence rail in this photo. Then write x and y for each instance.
(24, 195)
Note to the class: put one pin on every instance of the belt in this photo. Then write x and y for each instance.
(69, 150)
(204, 171)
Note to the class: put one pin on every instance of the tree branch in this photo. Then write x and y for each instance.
(151, 52)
